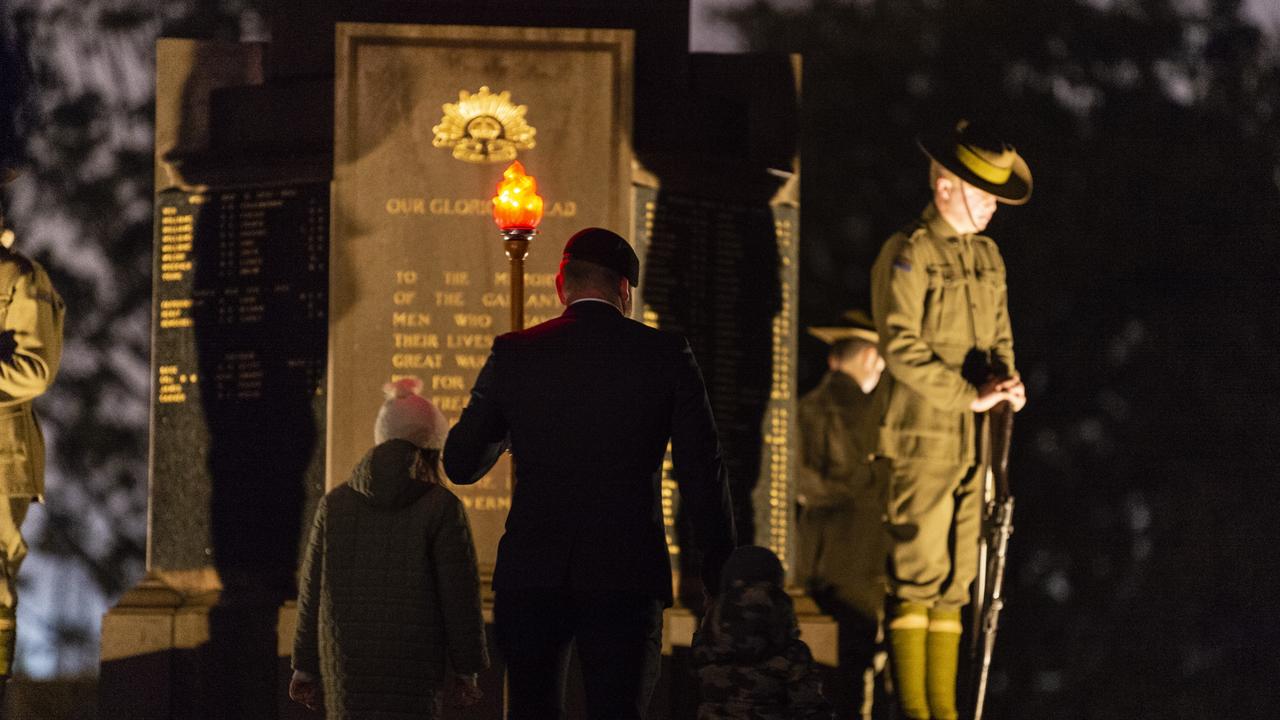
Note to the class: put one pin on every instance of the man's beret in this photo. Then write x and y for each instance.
(606, 248)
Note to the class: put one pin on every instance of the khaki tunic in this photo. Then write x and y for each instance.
(935, 296)
(840, 530)
(31, 318)
(841, 522)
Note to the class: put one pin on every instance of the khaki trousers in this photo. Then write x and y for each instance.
(934, 520)
(13, 549)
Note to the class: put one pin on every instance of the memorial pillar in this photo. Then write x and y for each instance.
(428, 118)
(239, 319)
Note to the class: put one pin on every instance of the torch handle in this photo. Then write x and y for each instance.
(517, 294)
(517, 248)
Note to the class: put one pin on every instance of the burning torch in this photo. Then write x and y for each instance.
(517, 210)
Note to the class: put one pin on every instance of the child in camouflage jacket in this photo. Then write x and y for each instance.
(748, 655)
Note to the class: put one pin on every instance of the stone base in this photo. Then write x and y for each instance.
(151, 642)
(163, 658)
(156, 656)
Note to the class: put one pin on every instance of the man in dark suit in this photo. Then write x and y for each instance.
(587, 402)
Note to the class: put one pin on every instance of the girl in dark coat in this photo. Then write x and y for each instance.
(389, 594)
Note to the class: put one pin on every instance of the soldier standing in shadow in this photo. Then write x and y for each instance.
(841, 535)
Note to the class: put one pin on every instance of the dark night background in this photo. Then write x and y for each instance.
(1146, 562)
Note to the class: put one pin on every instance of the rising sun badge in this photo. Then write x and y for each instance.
(484, 127)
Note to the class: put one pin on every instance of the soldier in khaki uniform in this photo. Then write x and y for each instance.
(938, 297)
(840, 527)
(31, 315)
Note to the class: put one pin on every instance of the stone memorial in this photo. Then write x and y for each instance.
(323, 226)
(427, 119)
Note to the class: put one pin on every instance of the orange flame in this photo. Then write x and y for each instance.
(517, 204)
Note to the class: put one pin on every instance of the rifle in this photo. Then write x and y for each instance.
(993, 547)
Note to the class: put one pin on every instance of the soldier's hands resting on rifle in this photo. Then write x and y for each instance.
(994, 392)
(1017, 392)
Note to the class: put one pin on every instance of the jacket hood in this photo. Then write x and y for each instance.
(749, 623)
(383, 477)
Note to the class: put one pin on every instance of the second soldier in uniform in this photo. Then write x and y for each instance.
(840, 526)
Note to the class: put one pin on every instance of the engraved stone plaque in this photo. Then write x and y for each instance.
(426, 120)
(719, 233)
(239, 321)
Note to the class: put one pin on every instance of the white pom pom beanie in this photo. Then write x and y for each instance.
(406, 415)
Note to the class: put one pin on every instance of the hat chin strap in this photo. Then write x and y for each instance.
(6, 235)
(967, 211)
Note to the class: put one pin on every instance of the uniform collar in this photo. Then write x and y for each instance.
(842, 384)
(938, 225)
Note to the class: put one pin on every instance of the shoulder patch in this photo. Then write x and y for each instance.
(901, 263)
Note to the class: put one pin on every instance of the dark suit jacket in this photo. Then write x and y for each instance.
(587, 402)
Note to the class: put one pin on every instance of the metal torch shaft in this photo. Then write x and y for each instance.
(516, 243)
